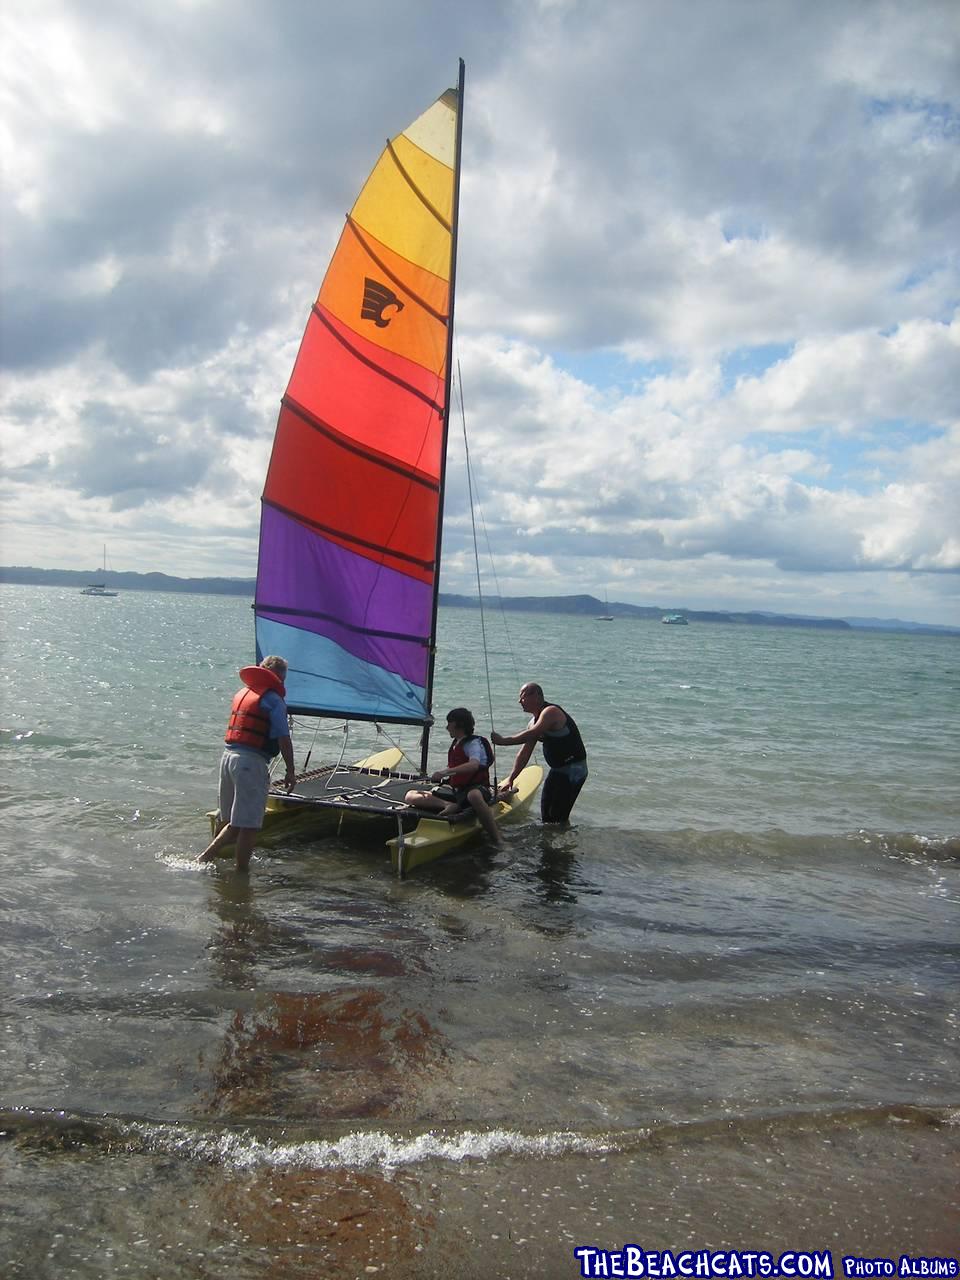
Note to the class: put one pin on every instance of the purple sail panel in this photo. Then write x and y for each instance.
(375, 613)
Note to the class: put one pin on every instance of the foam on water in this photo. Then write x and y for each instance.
(245, 1151)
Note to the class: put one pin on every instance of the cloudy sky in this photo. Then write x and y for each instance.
(708, 283)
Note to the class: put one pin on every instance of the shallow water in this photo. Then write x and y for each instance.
(720, 1009)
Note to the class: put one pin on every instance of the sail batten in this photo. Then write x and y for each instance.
(349, 535)
(421, 195)
(374, 365)
(342, 538)
(394, 276)
(391, 464)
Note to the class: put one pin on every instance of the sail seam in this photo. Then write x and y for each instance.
(416, 190)
(372, 364)
(351, 446)
(374, 717)
(392, 275)
(350, 538)
(340, 622)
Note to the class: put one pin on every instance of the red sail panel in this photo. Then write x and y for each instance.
(375, 509)
(382, 401)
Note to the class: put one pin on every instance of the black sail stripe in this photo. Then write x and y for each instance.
(352, 446)
(416, 190)
(392, 275)
(287, 610)
(372, 364)
(328, 530)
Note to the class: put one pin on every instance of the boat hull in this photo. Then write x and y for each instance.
(434, 837)
(284, 819)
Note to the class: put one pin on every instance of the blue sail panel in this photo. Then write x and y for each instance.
(323, 678)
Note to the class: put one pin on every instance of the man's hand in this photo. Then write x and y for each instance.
(289, 778)
(498, 739)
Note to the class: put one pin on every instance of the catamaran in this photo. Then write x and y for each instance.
(352, 509)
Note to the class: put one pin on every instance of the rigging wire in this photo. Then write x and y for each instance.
(476, 553)
(382, 732)
(496, 581)
(475, 505)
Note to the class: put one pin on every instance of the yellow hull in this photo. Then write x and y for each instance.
(284, 820)
(433, 837)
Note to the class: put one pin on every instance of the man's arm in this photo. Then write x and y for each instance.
(286, 750)
(548, 721)
(523, 757)
(459, 776)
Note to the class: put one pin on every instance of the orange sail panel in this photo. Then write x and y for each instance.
(351, 506)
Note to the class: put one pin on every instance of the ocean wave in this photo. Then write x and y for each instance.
(246, 1149)
(912, 847)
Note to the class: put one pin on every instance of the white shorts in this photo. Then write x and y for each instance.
(244, 783)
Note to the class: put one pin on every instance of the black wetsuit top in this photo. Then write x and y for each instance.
(565, 747)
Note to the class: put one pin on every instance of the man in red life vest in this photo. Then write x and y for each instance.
(257, 731)
(466, 779)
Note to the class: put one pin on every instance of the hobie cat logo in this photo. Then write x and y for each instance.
(376, 299)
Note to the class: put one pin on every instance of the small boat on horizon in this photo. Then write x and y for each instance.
(608, 616)
(675, 620)
(99, 588)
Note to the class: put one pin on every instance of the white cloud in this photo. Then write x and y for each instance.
(769, 189)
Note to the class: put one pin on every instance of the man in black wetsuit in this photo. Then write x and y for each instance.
(563, 752)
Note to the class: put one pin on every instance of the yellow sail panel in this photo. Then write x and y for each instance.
(392, 211)
(435, 132)
(431, 178)
(413, 325)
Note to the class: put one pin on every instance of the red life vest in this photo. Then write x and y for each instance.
(249, 724)
(456, 756)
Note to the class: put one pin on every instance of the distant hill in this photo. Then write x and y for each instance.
(127, 581)
(590, 606)
(583, 605)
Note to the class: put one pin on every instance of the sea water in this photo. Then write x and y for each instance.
(719, 1010)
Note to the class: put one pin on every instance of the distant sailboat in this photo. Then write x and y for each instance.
(608, 616)
(99, 588)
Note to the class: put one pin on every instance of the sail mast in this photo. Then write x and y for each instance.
(448, 384)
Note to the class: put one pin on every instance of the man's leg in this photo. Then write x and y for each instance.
(226, 832)
(226, 835)
(558, 796)
(246, 839)
(423, 800)
(485, 815)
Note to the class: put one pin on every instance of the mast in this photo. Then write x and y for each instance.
(448, 385)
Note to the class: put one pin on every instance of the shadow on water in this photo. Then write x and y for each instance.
(301, 1036)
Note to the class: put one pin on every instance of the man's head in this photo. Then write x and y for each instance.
(531, 698)
(277, 665)
(460, 722)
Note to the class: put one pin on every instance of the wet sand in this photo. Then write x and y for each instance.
(880, 1189)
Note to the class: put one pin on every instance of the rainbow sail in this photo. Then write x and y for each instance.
(351, 513)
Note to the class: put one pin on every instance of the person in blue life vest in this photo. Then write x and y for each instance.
(465, 782)
(257, 730)
(563, 753)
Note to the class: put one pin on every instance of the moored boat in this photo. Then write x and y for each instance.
(99, 589)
